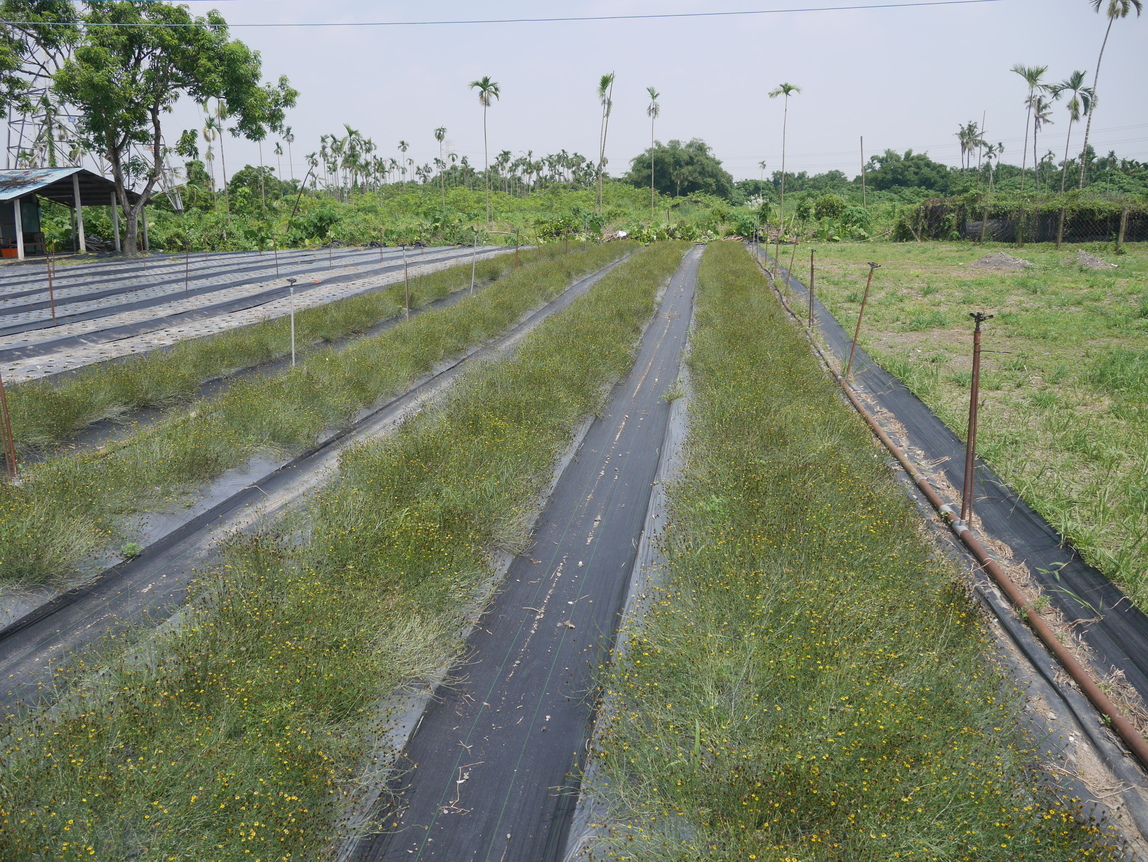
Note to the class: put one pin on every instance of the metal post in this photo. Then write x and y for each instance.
(969, 490)
(407, 283)
(331, 255)
(78, 206)
(291, 282)
(792, 260)
(19, 214)
(275, 248)
(811, 288)
(9, 439)
(51, 287)
(473, 253)
(860, 314)
(516, 249)
(187, 267)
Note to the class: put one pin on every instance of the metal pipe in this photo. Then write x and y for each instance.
(187, 268)
(291, 282)
(407, 282)
(968, 492)
(811, 289)
(51, 287)
(9, 438)
(860, 314)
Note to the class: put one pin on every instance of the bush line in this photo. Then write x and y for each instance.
(828, 694)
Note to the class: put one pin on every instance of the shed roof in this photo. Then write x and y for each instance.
(56, 184)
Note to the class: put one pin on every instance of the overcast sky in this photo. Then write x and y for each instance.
(904, 76)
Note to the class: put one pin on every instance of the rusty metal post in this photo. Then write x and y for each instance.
(291, 282)
(331, 255)
(9, 438)
(969, 490)
(860, 314)
(187, 268)
(792, 259)
(811, 288)
(473, 253)
(275, 249)
(51, 287)
(407, 283)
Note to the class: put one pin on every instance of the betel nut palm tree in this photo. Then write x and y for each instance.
(1079, 104)
(488, 91)
(652, 111)
(785, 90)
(606, 97)
(1113, 9)
(1032, 76)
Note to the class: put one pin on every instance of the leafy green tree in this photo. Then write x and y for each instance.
(1114, 9)
(135, 61)
(1032, 76)
(892, 170)
(488, 91)
(785, 90)
(681, 169)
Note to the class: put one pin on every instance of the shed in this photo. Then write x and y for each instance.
(20, 193)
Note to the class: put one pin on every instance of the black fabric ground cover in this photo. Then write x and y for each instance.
(1114, 629)
(492, 771)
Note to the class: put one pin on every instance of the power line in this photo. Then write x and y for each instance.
(556, 20)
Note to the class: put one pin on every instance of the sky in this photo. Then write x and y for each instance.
(901, 76)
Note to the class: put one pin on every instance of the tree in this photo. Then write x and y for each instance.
(605, 97)
(1115, 9)
(1078, 105)
(403, 147)
(488, 91)
(785, 90)
(652, 112)
(440, 136)
(1032, 76)
(1041, 114)
(289, 137)
(135, 62)
(681, 169)
(911, 170)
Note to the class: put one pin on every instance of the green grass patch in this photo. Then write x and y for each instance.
(72, 505)
(1064, 375)
(48, 413)
(809, 681)
(245, 732)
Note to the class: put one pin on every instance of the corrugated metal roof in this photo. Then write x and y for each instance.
(56, 184)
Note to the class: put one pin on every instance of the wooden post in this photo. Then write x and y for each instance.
(1123, 229)
(1060, 228)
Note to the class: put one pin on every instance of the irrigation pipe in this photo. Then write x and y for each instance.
(1078, 673)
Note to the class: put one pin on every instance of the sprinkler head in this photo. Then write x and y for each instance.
(291, 281)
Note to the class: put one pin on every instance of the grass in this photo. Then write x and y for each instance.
(48, 413)
(1064, 374)
(828, 693)
(245, 732)
(72, 505)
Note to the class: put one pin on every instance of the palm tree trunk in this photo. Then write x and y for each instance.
(1024, 149)
(1064, 169)
(486, 164)
(1088, 125)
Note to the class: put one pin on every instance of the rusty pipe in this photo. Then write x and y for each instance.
(9, 438)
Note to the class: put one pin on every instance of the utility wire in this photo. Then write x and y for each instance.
(556, 20)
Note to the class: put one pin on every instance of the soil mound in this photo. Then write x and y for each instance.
(1088, 261)
(1000, 260)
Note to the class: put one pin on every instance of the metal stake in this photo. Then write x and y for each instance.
(860, 314)
(969, 491)
(187, 268)
(792, 260)
(473, 252)
(291, 282)
(275, 248)
(811, 288)
(51, 288)
(9, 439)
(407, 279)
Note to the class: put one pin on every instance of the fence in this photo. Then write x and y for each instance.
(979, 218)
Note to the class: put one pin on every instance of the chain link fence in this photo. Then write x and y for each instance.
(1055, 219)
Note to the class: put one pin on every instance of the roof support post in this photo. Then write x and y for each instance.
(79, 207)
(116, 221)
(18, 207)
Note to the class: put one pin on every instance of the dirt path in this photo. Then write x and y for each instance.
(491, 772)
